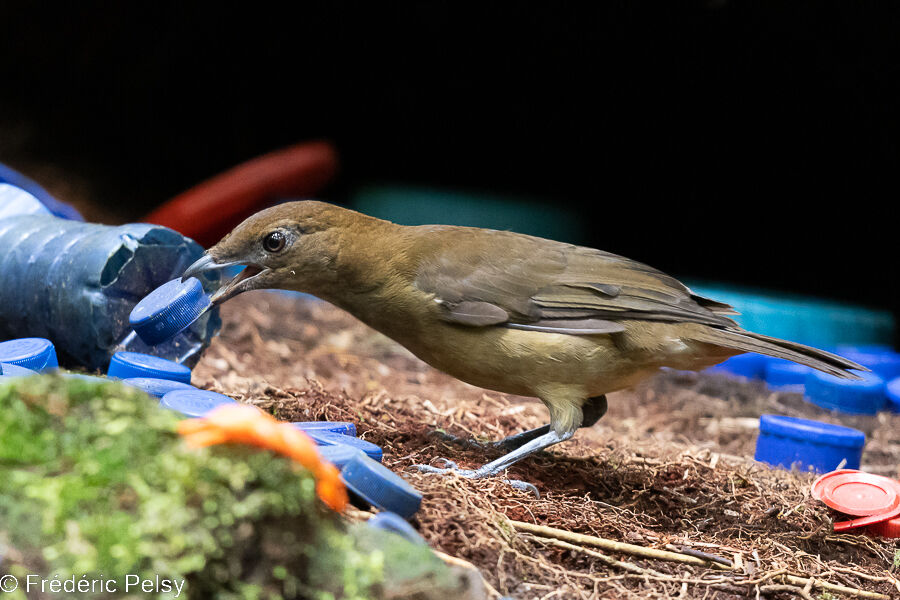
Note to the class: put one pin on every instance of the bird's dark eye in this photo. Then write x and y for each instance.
(274, 242)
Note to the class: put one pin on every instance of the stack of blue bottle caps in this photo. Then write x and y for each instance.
(164, 313)
(176, 305)
(876, 390)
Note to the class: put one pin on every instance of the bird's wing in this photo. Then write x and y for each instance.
(484, 277)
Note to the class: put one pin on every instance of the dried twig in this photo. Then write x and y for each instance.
(612, 545)
(607, 560)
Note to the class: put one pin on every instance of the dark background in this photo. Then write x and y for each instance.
(750, 142)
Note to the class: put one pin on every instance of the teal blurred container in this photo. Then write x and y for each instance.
(808, 320)
(410, 205)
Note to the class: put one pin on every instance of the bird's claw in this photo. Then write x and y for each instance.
(449, 467)
(452, 467)
(524, 486)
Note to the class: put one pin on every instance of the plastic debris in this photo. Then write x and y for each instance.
(788, 441)
(76, 284)
(168, 310)
(125, 365)
(786, 376)
(341, 427)
(7, 370)
(394, 523)
(156, 387)
(859, 397)
(380, 487)
(872, 499)
(329, 438)
(338, 455)
(37, 354)
(749, 365)
(194, 403)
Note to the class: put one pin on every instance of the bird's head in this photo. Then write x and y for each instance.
(288, 246)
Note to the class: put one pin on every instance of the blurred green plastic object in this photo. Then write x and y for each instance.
(409, 205)
(808, 320)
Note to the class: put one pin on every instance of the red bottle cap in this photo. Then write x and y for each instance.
(870, 520)
(818, 484)
(888, 529)
(861, 494)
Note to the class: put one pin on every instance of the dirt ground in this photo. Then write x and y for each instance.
(669, 467)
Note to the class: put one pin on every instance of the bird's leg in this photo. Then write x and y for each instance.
(512, 442)
(496, 466)
(593, 409)
(524, 444)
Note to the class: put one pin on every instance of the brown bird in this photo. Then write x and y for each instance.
(500, 310)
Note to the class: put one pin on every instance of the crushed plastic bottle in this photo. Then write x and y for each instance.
(76, 283)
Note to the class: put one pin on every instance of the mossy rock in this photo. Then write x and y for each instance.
(95, 482)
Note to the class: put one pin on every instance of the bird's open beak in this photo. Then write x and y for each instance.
(240, 283)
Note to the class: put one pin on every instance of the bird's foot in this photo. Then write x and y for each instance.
(452, 467)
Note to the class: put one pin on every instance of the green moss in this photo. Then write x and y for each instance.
(94, 480)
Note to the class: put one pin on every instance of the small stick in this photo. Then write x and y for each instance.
(767, 589)
(612, 545)
(840, 589)
(608, 560)
(700, 554)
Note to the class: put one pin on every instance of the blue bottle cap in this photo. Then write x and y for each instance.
(125, 365)
(806, 430)
(380, 487)
(168, 309)
(341, 427)
(9, 370)
(786, 375)
(883, 361)
(789, 442)
(862, 397)
(32, 353)
(156, 387)
(749, 365)
(394, 523)
(893, 394)
(329, 438)
(194, 403)
(338, 455)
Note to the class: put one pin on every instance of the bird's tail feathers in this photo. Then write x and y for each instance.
(747, 341)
